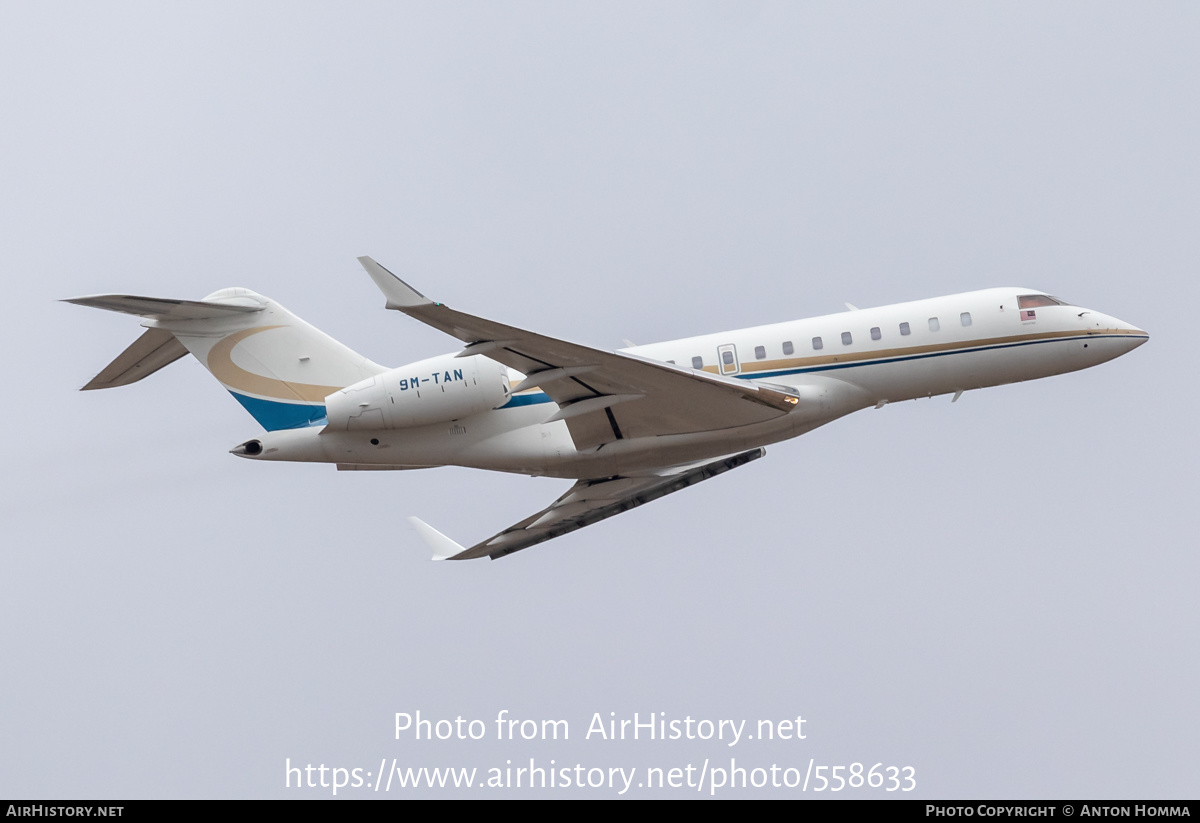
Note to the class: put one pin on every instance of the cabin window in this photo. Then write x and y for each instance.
(760, 352)
(904, 329)
(727, 358)
(847, 338)
(817, 344)
(876, 333)
(965, 318)
(788, 348)
(934, 325)
(697, 362)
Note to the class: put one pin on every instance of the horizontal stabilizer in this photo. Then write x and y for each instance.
(149, 353)
(161, 307)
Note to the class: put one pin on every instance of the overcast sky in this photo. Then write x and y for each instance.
(998, 593)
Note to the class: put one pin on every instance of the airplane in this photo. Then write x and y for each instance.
(628, 426)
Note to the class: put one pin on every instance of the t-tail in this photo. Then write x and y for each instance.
(278, 367)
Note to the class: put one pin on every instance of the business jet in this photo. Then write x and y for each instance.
(628, 426)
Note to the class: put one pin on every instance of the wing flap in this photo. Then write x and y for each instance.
(585, 503)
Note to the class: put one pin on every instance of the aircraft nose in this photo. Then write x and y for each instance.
(1134, 339)
(1131, 334)
(1132, 330)
(1120, 337)
(1099, 320)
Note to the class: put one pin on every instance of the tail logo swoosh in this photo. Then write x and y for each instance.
(220, 363)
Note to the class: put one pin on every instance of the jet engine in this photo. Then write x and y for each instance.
(436, 390)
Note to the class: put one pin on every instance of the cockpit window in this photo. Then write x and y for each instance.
(1036, 301)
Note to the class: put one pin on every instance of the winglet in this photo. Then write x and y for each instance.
(443, 547)
(399, 294)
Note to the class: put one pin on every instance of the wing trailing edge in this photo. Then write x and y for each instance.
(585, 503)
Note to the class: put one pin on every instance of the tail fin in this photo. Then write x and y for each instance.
(278, 367)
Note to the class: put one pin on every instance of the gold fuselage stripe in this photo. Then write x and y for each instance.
(794, 363)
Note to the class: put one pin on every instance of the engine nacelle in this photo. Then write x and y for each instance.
(436, 390)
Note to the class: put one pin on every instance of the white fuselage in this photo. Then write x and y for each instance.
(836, 364)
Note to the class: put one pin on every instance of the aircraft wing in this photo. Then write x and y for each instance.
(602, 396)
(585, 503)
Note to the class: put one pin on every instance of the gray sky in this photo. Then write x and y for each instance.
(998, 593)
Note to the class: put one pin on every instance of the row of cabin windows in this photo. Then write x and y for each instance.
(760, 352)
